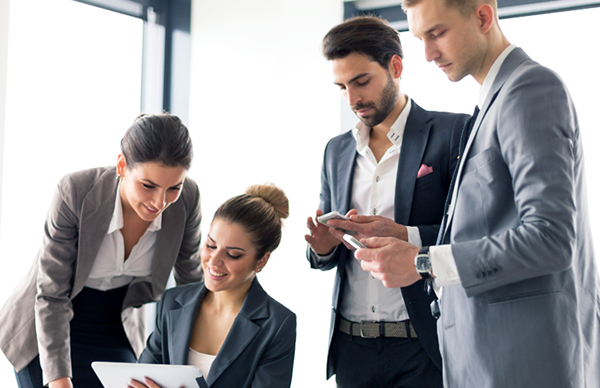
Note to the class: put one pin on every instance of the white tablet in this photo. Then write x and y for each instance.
(119, 374)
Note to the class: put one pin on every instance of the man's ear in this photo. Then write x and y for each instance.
(486, 17)
(396, 66)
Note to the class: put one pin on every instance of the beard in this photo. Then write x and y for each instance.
(382, 108)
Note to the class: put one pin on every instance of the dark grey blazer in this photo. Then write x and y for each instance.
(258, 351)
(527, 312)
(37, 314)
(430, 138)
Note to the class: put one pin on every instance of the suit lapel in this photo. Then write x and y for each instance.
(179, 338)
(345, 162)
(413, 147)
(242, 331)
(96, 212)
(512, 61)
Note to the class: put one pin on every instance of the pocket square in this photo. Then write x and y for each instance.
(424, 170)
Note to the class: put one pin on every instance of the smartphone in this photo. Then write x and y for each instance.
(354, 242)
(334, 216)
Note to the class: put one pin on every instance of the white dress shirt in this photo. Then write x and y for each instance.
(373, 193)
(110, 269)
(443, 264)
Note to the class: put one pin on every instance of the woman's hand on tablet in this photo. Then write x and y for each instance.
(148, 384)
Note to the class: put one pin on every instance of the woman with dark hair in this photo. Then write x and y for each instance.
(236, 334)
(111, 238)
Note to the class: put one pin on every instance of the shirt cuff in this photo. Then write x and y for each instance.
(324, 259)
(414, 236)
(443, 266)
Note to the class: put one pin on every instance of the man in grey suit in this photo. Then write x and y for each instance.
(520, 298)
(394, 169)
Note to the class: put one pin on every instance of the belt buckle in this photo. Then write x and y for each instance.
(362, 333)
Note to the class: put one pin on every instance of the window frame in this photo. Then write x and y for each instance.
(166, 53)
(392, 10)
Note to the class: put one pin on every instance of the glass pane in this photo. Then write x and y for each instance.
(74, 87)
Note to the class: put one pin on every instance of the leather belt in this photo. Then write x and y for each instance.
(375, 329)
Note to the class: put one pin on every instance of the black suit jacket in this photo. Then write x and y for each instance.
(259, 348)
(430, 138)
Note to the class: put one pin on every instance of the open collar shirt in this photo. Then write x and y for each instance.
(111, 269)
(373, 193)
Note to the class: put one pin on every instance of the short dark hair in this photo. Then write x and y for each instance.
(158, 138)
(259, 212)
(369, 35)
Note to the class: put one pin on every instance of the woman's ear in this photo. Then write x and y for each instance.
(121, 165)
(260, 263)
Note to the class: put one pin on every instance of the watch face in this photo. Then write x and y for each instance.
(423, 264)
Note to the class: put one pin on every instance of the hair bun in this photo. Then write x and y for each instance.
(273, 195)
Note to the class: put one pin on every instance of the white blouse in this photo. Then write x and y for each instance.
(201, 360)
(110, 269)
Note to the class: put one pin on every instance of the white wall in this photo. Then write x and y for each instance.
(262, 109)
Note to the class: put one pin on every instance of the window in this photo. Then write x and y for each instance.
(73, 88)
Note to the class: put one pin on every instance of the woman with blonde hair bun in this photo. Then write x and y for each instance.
(236, 334)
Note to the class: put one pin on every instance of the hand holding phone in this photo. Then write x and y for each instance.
(354, 242)
(334, 215)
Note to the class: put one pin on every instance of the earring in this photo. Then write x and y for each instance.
(259, 269)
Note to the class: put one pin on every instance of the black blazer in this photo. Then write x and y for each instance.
(258, 351)
(430, 138)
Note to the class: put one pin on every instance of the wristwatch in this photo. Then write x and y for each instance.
(423, 264)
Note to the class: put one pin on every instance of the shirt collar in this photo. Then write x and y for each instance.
(491, 75)
(116, 222)
(361, 132)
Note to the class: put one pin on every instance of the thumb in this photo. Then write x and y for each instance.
(375, 242)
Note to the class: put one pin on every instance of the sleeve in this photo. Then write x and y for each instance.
(275, 367)
(153, 353)
(188, 268)
(443, 266)
(538, 148)
(328, 262)
(53, 308)
(414, 237)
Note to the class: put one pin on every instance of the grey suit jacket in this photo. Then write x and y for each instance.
(36, 316)
(258, 351)
(430, 138)
(528, 311)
